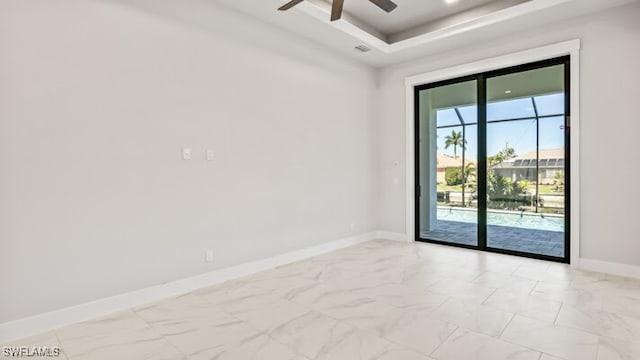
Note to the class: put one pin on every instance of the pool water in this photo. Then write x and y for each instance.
(513, 219)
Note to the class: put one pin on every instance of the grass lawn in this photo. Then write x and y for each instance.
(546, 189)
(445, 187)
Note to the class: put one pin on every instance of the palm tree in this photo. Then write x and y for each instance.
(455, 140)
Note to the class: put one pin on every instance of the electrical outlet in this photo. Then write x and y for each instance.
(208, 256)
(186, 154)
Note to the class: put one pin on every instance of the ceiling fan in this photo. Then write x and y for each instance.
(336, 7)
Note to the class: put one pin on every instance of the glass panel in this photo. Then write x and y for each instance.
(552, 137)
(448, 155)
(550, 104)
(469, 114)
(525, 204)
(510, 109)
(447, 117)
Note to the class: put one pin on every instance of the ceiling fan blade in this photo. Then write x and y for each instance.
(336, 9)
(289, 5)
(386, 5)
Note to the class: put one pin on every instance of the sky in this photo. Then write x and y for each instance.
(520, 135)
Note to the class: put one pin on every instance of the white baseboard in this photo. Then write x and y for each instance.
(37, 324)
(618, 269)
(388, 235)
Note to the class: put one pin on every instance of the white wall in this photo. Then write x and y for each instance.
(609, 125)
(97, 98)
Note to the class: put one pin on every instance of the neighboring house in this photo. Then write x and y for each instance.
(445, 161)
(523, 167)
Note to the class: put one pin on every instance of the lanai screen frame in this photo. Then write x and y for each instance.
(535, 117)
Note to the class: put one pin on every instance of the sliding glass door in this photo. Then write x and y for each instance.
(526, 160)
(492, 161)
(448, 143)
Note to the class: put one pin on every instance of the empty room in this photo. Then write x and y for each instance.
(319, 179)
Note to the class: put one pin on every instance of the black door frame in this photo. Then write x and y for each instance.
(481, 79)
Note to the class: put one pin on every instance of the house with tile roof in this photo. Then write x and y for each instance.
(547, 162)
(445, 161)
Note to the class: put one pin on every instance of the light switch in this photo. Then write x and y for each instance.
(186, 154)
(211, 155)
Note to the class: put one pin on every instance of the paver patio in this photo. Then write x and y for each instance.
(542, 242)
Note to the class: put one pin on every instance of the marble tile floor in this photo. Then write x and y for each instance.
(535, 241)
(381, 300)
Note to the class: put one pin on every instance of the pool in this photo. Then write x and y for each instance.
(505, 218)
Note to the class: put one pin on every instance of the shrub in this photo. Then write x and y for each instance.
(503, 193)
(453, 176)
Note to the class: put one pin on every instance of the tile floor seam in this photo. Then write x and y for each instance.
(558, 326)
(151, 326)
(258, 332)
(303, 356)
(366, 330)
(268, 334)
(487, 298)
(476, 278)
(348, 323)
(575, 327)
(410, 348)
(555, 321)
(60, 343)
(528, 317)
(598, 348)
(522, 346)
(374, 333)
(505, 327)
(533, 288)
(542, 353)
(515, 270)
(583, 331)
(501, 339)
(217, 308)
(446, 339)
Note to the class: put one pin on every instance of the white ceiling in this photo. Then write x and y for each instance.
(417, 28)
